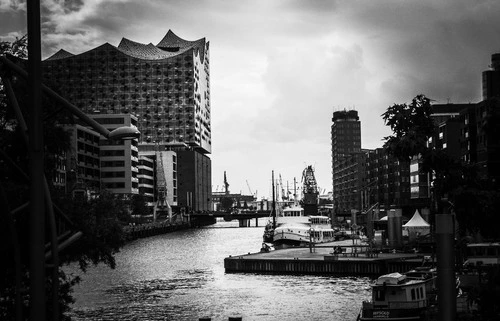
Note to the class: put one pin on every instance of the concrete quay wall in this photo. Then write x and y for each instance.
(322, 260)
(318, 267)
(134, 232)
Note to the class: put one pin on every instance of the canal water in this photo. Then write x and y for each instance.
(180, 276)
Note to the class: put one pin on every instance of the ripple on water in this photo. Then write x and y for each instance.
(180, 276)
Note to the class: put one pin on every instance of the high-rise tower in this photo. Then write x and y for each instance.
(346, 134)
(346, 159)
(491, 78)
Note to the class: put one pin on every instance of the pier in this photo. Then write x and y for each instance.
(321, 260)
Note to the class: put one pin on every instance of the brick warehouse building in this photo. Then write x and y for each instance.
(167, 87)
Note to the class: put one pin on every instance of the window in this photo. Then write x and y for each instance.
(379, 295)
(113, 152)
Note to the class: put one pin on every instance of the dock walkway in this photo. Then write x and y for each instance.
(320, 260)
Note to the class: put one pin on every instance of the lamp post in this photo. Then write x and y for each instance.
(35, 150)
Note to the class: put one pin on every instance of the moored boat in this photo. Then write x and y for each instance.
(398, 296)
(294, 228)
(300, 224)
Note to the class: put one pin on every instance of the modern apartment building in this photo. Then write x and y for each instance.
(387, 181)
(146, 178)
(119, 158)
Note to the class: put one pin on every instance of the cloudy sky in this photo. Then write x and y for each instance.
(280, 68)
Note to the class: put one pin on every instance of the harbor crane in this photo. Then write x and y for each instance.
(284, 197)
(249, 189)
(161, 204)
(226, 184)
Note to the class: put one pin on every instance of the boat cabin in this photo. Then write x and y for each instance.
(485, 254)
(293, 211)
(319, 220)
(396, 291)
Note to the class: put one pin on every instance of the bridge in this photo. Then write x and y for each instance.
(243, 217)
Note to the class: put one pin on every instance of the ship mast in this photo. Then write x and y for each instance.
(274, 203)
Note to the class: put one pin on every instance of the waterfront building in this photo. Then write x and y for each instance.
(387, 181)
(165, 86)
(347, 161)
(83, 168)
(119, 158)
(146, 176)
(487, 139)
(349, 177)
(194, 181)
(446, 118)
(239, 201)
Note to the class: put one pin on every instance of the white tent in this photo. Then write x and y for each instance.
(417, 226)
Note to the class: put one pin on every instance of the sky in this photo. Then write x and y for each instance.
(280, 68)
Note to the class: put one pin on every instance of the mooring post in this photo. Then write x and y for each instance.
(447, 304)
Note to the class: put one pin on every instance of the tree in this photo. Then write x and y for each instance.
(17, 48)
(412, 127)
(138, 205)
(475, 198)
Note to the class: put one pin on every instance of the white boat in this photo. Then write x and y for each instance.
(398, 296)
(297, 225)
(294, 228)
(482, 254)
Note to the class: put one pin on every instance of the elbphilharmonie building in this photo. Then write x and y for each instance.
(166, 86)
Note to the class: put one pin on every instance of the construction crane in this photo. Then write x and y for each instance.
(226, 184)
(284, 197)
(161, 204)
(309, 191)
(249, 189)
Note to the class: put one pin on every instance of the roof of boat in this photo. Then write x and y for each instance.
(484, 244)
(396, 279)
(293, 208)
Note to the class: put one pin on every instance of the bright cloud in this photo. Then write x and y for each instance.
(280, 68)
